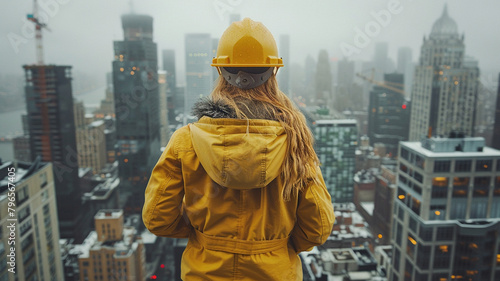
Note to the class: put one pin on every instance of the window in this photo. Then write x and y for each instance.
(426, 233)
(415, 206)
(484, 165)
(22, 195)
(418, 177)
(423, 257)
(403, 167)
(481, 186)
(437, 212)
(23, 214)
(420, 162)
(396, 259)
(43, 179)
(444, 233)
(408, 271)
(411, 245)
(404, 153)
(439, 187)
(463, 165)
(442, 166)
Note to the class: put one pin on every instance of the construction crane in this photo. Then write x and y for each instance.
(396, 87)
(38, 32)
(41, 84)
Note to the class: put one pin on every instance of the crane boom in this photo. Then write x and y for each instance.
(38, 32)
(382, 84)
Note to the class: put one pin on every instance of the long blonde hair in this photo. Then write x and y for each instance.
(300, 165)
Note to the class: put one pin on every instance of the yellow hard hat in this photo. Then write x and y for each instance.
(247, 43)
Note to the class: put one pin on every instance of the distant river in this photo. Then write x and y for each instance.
(11, 122)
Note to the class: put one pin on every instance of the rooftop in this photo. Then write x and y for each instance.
(444, 26)
(108, 214)
(447, 147)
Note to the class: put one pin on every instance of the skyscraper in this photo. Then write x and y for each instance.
(135, 85)
(447, 211)
(284, 72)
(323, 79)
(405, 66)
(380, 60)
(173, 98)
(335, 144)
(36, 235)
(445, 86)
(199, 77)
(49, 106)
(389, 114)
(496, 130)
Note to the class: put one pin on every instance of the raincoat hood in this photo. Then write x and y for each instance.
(239, 154)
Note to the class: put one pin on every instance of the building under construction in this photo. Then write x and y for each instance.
(49, 106)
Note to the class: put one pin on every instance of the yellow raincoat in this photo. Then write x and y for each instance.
(217, 182)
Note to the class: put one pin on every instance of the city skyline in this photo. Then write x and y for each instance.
(406, 27)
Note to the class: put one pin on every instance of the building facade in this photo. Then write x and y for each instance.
(447, 211)
(335, 145)
(445, 87)
(49, 106)
(199, 73)
(113, 251)
(135, 85)
(36, 231)
(389, 115)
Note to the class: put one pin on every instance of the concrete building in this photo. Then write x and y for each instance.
(447, 211)
(445, 88)
(22, 150)
(199, 73)
(336, 142)
(135, 85)
(49, 106)
(113, 251)
(323, 80)
(389, 114)
(36, 230)
(406, 66)
(385, 191)
(91, 145)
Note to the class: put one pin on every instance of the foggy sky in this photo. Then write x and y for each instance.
(83, 31)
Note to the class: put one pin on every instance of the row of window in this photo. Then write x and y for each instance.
(483, 165)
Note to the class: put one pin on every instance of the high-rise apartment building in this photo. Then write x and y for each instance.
(405, 66)
(323, 79)
(445, 85)
(135, 85)
(35, 231)
(389, 114)
(49, 106)
(447, 211)
(199, 75)
(335, 145)
(113, 251)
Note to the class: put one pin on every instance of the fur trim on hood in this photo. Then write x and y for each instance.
(219, 109)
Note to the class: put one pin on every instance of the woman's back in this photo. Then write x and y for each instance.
(238, 225)
(242, 183)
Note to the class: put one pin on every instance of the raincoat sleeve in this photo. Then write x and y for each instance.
(163, 212)
(315, 217)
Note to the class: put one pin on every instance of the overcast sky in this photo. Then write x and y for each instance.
(83, 31)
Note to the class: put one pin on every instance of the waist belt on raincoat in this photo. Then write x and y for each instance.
(238, 246)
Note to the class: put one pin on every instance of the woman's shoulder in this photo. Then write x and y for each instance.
(181, 139)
